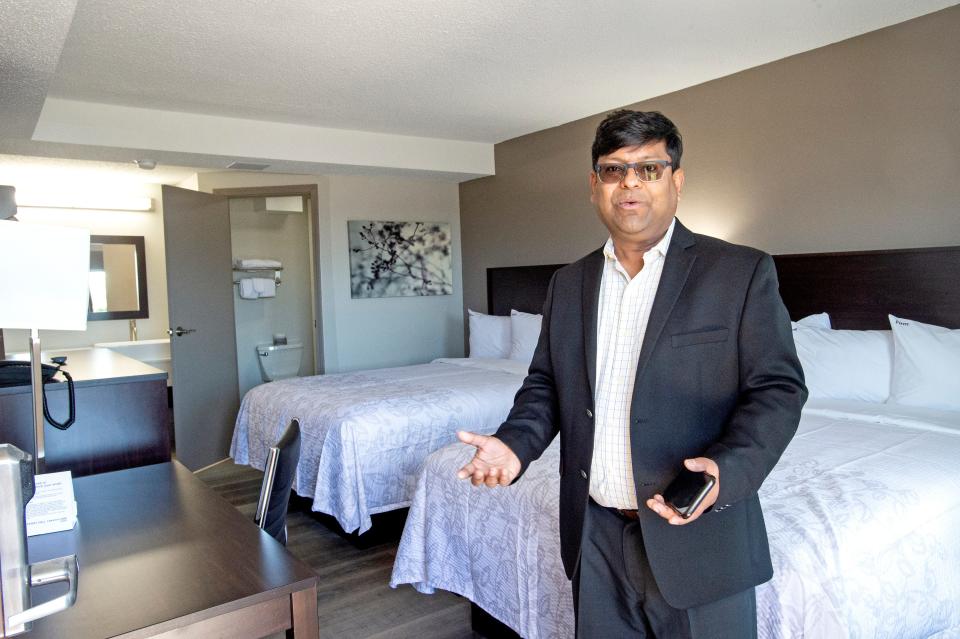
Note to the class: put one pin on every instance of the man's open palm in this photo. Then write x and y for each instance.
(494, 464)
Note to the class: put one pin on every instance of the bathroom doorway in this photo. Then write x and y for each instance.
(276, 298)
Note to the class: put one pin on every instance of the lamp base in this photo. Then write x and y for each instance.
(36, 386)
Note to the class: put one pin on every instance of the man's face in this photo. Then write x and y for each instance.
(635, 211)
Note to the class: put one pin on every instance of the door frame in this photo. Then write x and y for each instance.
(312, 193)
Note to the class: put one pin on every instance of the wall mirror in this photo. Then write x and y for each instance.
(118, 278)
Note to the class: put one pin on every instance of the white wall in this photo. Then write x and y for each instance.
(255, 234)
(359, 334)
(148, 224)
(400, 330)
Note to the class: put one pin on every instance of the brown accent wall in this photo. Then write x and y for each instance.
(851, 146)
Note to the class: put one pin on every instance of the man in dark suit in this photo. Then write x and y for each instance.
(664, 348)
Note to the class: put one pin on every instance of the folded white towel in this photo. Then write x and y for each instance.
(248, 290)
(256, 263)
(265, 287)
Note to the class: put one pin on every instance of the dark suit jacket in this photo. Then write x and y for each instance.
(718, 376)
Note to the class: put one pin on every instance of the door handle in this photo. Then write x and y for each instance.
(49, 572)
(180, 331)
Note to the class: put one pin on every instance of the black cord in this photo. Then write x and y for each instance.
(46, 374)
(72, 415)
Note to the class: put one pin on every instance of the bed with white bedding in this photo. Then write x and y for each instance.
(862, 512)
(365, 434)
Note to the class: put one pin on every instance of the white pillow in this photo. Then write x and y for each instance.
(489, 335)
(846, 364)
(926, 365)
(820, 320)
(524, 334)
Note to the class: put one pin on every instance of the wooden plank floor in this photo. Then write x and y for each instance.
(354, 597)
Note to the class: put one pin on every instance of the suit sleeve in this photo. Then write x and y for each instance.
(772, 392)
(532, 423)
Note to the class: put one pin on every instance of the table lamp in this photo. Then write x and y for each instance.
(44, 285)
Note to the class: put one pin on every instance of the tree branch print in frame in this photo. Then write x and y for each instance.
(399, 259)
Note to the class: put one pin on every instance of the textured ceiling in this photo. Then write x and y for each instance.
(480, 70)
(30, 43)
(408, 71)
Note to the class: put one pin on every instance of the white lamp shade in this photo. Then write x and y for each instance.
(44, 276)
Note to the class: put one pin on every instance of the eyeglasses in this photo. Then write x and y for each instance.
(647, 171)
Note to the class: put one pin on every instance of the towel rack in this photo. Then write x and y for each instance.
(258, 269)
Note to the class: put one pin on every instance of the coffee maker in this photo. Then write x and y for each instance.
(17, 577)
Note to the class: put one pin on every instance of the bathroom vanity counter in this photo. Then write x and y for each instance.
(123, 419)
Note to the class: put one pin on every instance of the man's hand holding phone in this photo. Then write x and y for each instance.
(696, 467)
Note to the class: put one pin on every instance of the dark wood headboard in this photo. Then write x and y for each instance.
(858, 289)
(521, 287)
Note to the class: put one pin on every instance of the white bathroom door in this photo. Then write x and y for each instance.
(203, 339)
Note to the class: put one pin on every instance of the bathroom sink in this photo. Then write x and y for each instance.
(143, 350)
(155, 352)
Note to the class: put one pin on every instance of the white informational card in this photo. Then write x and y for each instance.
(53, 507)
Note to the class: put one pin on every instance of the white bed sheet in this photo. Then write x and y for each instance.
(862, 512)
(365, 434)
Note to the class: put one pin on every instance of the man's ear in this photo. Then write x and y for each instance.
(678, 176)
(594, 182)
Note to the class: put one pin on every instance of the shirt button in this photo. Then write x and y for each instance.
(589, 413)
(583, 473)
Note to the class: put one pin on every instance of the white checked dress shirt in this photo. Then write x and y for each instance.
(623, 313)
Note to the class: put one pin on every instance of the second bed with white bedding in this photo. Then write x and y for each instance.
(365, 434)
(862, 512)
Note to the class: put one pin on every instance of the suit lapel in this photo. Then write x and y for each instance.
(676, 268)
(592, 272)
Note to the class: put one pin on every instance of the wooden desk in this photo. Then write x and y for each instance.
(161, 555)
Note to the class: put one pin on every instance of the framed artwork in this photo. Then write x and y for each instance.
(399, 259)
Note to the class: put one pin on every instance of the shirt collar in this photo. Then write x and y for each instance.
(660, 248)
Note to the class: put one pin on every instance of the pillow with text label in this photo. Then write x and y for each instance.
(926, 365)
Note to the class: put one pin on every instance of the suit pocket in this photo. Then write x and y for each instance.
(699, 337)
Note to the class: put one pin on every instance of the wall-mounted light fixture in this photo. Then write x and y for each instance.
(282, 205)
(27, 199)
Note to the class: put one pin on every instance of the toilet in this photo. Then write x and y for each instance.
(279, 361)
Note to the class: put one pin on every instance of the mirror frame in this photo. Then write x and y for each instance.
(144, 311)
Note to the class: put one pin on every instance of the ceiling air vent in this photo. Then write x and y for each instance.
(247, 166)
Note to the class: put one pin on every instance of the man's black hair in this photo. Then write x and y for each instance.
(636, 128)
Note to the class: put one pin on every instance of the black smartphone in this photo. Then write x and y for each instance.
(687, 491)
